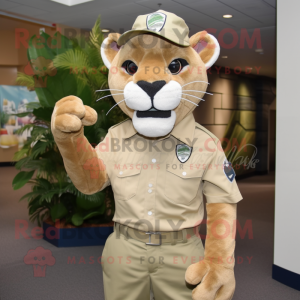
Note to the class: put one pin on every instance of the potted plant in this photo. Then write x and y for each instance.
(60, 67)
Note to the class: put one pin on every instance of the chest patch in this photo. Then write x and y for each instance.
(156, 21)
(183, 152)
(228, 170)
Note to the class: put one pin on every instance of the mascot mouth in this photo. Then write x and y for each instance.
(153, 113)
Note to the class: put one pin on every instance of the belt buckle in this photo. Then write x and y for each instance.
(150, 243)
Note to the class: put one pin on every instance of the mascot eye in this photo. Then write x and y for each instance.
(177, 65)
(130, 67)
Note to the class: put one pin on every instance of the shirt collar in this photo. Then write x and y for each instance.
(128, 130)
(184, 131)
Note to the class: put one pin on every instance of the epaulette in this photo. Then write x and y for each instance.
(215, 139)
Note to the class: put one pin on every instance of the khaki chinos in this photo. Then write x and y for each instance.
(155, 192)
(130, 265)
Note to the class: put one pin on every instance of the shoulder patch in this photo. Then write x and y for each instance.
(228, 170)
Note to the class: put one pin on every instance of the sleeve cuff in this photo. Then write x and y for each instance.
(234, 198)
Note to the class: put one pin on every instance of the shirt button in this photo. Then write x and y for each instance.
(149, 213)
(154, 160)
(149, 191)
(150, 184)
(183, 173)
(120, 172)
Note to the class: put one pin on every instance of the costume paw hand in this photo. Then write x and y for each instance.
(70, 115)
(217, 281)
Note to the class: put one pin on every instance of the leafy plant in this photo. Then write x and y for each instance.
(74, 68)
(3, 118)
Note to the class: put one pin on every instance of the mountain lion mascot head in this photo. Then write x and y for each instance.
(157, 74)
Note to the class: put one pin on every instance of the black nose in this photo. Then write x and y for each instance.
(151, 88)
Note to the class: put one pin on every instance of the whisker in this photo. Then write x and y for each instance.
(107, 90)
(109, 96)
(197, 91)
(190, 101)
(115, 106)
(188, 91)
(193, 82)
(192, 96)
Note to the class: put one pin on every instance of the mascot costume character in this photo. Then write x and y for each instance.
(159, 163)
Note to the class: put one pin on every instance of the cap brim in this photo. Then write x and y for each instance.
(126, 36)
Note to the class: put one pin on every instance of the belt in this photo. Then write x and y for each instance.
(155, 238)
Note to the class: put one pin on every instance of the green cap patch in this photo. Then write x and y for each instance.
(156, 21)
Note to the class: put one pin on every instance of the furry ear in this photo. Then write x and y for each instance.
(206, 46)
(110, 48)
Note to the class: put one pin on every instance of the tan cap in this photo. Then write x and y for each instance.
(161, 23)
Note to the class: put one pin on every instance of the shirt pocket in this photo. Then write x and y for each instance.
(125, 183)
(181, 186)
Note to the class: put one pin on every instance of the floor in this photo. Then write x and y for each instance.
(83, 279)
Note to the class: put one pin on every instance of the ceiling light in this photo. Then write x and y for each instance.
(227, 16)
(105, 30)
(71, 2)
(224, 56)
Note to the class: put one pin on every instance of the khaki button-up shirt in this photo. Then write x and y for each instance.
(153, 189)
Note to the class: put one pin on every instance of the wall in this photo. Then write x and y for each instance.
(13, 59)
(286, 268)
(238, 114)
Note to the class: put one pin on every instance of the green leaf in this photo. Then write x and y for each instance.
(22, 162)
(61, 85)
(46, 184)
(21, 179)
(91, 214)
(38, 131)
(49, 195)
(34, 204)
(96, 35)
(74, 59)
(4, 117)
(24, 79)
(22, 129)
(58, 211)
(86, 202)
(77, 219)
(39, 148)
(30, 196)
(33, 105)
(43, 113)
(21, 115)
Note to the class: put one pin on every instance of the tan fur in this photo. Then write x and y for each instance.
(208, 51)
(109, 52)
(215, 272)
(153, 55)
(67, 122)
